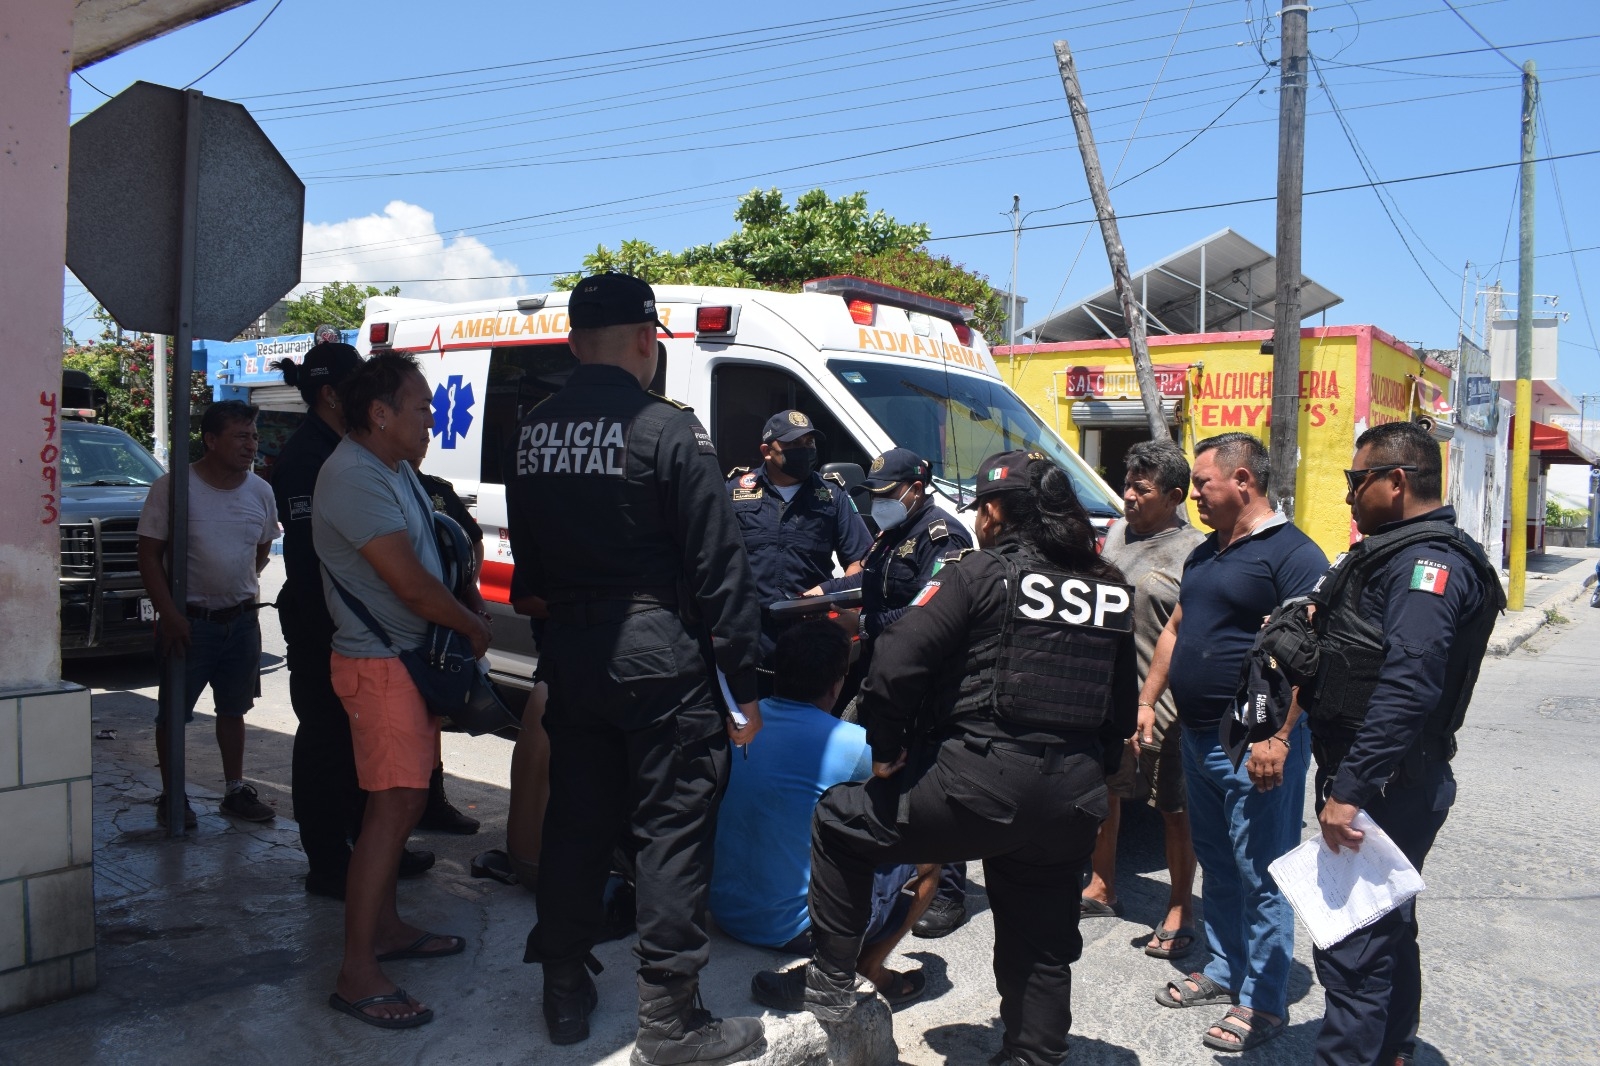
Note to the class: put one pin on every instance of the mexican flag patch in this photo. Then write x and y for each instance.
(1428, 576)
(926, 594)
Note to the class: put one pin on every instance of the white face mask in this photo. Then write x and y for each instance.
(887, 513)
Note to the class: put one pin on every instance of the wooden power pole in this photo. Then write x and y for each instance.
(1285, 438)
(1132, 313)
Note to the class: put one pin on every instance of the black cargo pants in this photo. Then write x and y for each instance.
(1372, 979)
(1030, 814)
(328, 801)
(638, 750)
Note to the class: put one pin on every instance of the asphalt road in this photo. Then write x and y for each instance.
(1514, 892)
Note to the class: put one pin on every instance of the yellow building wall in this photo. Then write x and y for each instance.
(1349, 378)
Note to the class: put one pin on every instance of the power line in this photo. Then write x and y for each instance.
(79, 75)
(1269, 199)
(1494, 47)
(1561, 206)
(276, 4)
(1370, 172)
(510, 224)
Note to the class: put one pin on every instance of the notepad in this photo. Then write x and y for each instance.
(739, 720)
(1337, 894)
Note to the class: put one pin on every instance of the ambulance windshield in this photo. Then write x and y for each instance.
(956, 420)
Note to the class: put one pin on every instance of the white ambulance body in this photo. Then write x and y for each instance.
(873, 366)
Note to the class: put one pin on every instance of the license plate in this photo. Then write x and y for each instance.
(147, 610)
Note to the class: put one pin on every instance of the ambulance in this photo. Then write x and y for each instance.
(874, 366)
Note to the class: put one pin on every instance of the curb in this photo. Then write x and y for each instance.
(1512, 631)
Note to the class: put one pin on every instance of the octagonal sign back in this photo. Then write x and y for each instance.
(125, 208)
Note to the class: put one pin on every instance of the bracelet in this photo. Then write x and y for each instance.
(1280, 740)
(1146, 703)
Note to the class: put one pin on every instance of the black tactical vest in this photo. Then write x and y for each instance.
(1050, 666)
(1351, 648)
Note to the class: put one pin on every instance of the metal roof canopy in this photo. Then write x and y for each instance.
(1222, 284)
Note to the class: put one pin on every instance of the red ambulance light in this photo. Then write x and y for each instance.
(378, 333)
(963, 333)
(713, 319)
(863, 312)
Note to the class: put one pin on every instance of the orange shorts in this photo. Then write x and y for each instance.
(396, 740)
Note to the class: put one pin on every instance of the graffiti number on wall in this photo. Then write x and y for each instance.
(49, 454)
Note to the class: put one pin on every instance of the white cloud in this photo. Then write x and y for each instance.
(402, 243)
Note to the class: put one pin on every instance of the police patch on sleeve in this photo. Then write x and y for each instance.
(928, 592)
(1429, 576)
(702, 440)
(299, 507)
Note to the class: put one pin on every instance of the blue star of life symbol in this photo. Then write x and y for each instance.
(452, 410)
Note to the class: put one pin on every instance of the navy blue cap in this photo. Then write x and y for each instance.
(327, 363)
(1003, 472)
(896, 467)
(786, 426)
(612, 300)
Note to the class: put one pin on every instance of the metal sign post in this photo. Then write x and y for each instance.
(175, 698)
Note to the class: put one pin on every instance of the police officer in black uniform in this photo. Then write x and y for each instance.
(1018, 662)
(916, 537)
(794, 521)
(328, 802)
(619, 521)
(1402, 623)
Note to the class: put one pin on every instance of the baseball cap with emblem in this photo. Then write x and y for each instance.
(896, 467)
(612, 300)
(786, 426)
(1003, 472)
(329, 363)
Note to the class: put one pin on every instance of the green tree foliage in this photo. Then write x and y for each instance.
(124, 370)
(339, 303)
(778, 246)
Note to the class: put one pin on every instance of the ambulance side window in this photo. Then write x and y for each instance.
(743, 397)
(519, 378)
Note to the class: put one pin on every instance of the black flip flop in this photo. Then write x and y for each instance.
(1093, 908)
(356, 1010)
(1177, 994)
(1165, 937)
(908, 987)
(414, 951)
(496, 865)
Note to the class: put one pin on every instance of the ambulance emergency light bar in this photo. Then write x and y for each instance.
(858, 291)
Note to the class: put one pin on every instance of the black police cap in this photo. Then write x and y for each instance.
(612, 300)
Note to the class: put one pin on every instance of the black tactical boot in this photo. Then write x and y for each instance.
(831, 983)
(675, 1028)
(569, 999)
(440, 815)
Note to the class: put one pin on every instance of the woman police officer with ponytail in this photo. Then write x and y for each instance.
(996, 706)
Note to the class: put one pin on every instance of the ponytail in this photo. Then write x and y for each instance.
(1048, 517)
(292, 377)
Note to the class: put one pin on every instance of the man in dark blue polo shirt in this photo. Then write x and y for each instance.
(1242, 818)
(794, 523)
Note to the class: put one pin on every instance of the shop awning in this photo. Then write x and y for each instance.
(1555, 445)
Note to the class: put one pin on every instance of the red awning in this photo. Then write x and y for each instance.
(1555, 445)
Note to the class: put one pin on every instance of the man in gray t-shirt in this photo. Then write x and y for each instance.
(357, 500)
(1150, 547)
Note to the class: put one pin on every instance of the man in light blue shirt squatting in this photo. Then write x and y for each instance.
(763, 852)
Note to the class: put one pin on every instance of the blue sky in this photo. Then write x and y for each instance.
(488, 139)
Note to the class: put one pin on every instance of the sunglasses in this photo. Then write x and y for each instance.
(1356, 478)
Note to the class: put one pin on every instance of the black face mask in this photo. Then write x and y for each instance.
(799, 462)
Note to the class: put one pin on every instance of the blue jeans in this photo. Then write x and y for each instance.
(1237, 832)
(224, 655)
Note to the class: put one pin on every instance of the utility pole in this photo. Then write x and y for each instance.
(1522, 428)
(1285, 437)
(1132, 313)
(1016, 241)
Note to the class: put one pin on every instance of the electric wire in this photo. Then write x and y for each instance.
(1457, 12)
(1371, 173)
(213, 68)
(79, 75)
(1561, 207)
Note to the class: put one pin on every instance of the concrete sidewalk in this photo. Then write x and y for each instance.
(1555, 587)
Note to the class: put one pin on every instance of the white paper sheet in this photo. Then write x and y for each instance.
(739, 719)
(1336, 894)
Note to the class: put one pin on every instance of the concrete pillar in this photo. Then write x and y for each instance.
(46, 832)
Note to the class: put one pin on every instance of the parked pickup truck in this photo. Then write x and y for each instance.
(105, 476)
